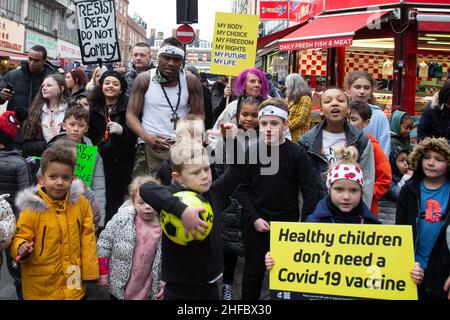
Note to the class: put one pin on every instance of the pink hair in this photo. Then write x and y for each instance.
(239, 83)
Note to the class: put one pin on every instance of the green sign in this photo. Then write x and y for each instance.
(85, 163)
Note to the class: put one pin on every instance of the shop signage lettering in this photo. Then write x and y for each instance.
(342, 260)
(98, 34)
(48, 43)
(12, 35)
(316, 44)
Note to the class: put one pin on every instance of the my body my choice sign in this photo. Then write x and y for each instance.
(97, 32)
(234, 43)
(341, 260)
(86, 156)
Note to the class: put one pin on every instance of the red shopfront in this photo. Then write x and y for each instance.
(398, 42)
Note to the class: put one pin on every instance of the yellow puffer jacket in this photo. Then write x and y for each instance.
(64, 251)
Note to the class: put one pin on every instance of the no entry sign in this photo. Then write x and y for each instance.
(185, 33)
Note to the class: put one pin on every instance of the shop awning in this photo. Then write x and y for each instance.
(329, 31)
(13, 56)
(263, 41)
(438, 22)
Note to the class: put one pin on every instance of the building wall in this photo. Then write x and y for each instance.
(198, 53)
(121, 25)
(135, 34)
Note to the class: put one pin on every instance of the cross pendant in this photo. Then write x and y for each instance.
(174, 119)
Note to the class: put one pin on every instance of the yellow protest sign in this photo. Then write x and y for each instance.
(341, 260)
(234, 43)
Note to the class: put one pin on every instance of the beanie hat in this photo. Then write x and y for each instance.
(116, 74)
(9, 125)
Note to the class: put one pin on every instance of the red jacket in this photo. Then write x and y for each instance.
(383, 174)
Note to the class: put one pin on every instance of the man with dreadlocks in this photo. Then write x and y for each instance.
(435, 119)
(162, 96)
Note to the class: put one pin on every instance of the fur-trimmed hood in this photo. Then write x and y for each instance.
(29, 199)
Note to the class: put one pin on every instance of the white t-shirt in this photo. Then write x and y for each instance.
(330, 141)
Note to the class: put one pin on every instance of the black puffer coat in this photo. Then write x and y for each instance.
(26, 85)
(14, 174)
(434, 121)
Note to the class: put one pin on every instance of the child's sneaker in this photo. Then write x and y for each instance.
(227, 292)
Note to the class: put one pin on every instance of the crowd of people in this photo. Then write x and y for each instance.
(150, 126)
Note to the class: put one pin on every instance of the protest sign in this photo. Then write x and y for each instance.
(84, 169)
(333, 261)
(234, 43)
(97, 33)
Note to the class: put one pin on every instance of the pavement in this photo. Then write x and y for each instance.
(95, 292)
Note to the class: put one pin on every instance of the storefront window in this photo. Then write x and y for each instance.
(12, 8)
(40, 16)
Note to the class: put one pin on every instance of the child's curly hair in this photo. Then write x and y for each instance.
(57, 154)
(438, 145)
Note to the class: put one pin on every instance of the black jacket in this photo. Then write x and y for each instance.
(14, 173)
(218, 101)
(438, 268)
(200, 261)
(434, 122)
(117, 148)
(26, 85)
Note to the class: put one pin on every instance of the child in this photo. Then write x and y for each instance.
(191, 271)
(247, 120)
(360, 114)
(335, 131)
(400, 174)
(88, 193)
(273, 196)
(82, 100)
(343, 204)
(424, 204)
(401, 125)
(360, 85)
(14, 171)
(55, 240)
(7, 225)
(45, 115)
(76, 125)
(129, 249)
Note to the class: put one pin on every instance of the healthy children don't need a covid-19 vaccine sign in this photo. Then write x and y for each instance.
(341, 261)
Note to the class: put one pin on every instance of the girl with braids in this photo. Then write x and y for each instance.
(435, 119)
(45, 115)
(232, 224)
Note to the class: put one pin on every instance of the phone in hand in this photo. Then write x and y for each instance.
(10, 87)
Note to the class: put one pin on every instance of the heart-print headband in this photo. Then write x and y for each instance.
(345, 171)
